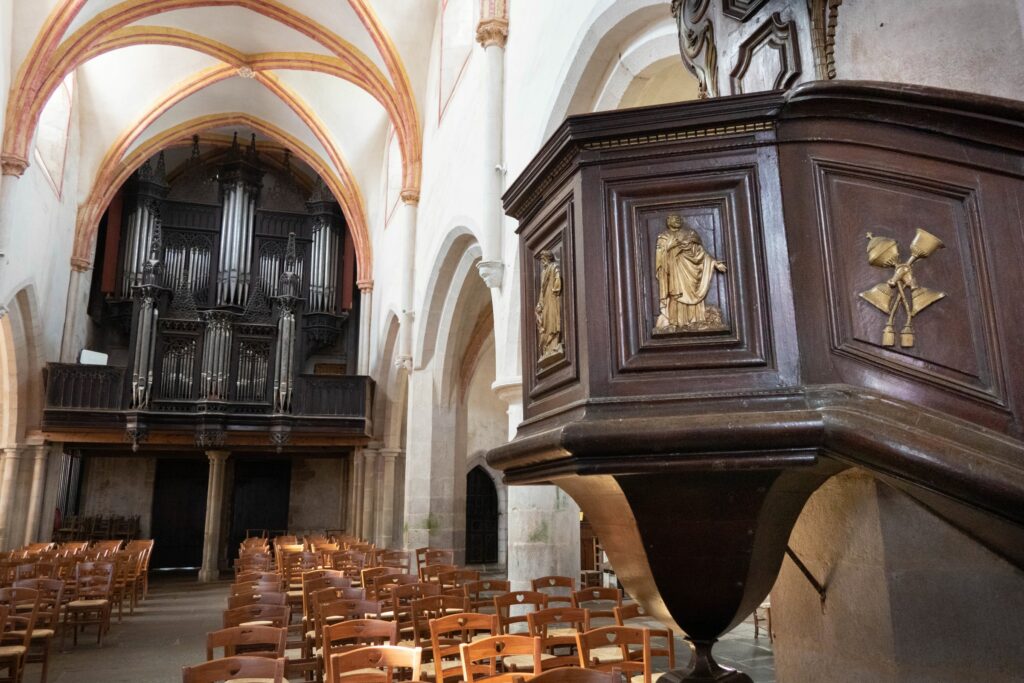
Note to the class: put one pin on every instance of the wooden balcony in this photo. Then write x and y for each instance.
(91, 404)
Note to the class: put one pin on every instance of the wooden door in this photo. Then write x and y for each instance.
(259, 498)
(179, 512)
(481, 518)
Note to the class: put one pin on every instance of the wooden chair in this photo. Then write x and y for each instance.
(266, 598)
(351, 667)
(260, 669)
(94, 582)
(22, 606)
(383, 585)
(634, 611)
(483, 660)
(635, 644)
(600, 601)
(258, 615)
(426, 609)
(394, 558)
(402, 597)
(448, 634)
(454, 580)
(367, 575)
(559, 589)
(251, 641)
(257, 576)
(51, 599)
(353, 634)
(505, 603)
(431, 572)
(481, 594)
(577, 675)
(557, 628)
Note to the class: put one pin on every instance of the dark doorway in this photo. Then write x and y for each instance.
(259, 498)
(481, 518)
(179, 512)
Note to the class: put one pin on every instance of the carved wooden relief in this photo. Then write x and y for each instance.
(769, 59)
(948, 343)
(741, 10)
(824, 19)
(726, 325)
(697, 43)
(550, 337)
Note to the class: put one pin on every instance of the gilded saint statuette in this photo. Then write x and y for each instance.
(685, 271)
(549, 307)
(901, 291)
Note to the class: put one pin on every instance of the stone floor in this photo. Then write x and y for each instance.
(169, 631)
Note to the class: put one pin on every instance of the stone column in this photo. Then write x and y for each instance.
(35, 498)
(365, 323)
(369, 492)
(386, 497)
(73, 338)
(8, 480)
(353, 525)
(543, 521)
(492, 33)
(407, 225)
(214, 507)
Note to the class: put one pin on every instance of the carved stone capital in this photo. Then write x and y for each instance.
(404, 363)
(492, 272)
(80, 265)
(365, 286)
(218, 456)
(492, 31)
(410, 196)
(12, 164)
(508, 389)
(3, 312)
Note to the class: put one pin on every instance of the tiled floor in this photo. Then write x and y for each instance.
(169, 631)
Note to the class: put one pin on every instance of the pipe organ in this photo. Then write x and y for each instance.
(230, 282)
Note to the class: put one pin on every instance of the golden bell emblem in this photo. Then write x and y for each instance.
(901, 291)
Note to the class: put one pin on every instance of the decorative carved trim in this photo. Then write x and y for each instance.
(697, 43)
(80, 265)
(13, 164)
(741, 10)
(774, 34)
(824, 19)
(210, 438)
(492, 272)
(492, 32)
(715, 132)
(410, 197)
(365, 286)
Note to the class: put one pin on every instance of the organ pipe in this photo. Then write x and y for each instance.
(145, 338)
(240, 184)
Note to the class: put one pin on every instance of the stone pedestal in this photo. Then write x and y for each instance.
(386, 497)
(35, 499)
(369, 492)
(214, 508)
(8, 479)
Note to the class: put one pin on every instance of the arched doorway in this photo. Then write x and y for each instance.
(481, 518)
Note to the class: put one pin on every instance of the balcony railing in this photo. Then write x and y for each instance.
(83, 387)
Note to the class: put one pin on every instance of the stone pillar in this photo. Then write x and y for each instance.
(407, 225)
(73, 337)
(35, 498)
(543, 521)
(492, 33)
(369, 492)
(214, 507)
(365, 322)
(386, 511)
(353, 525)
(8, 481)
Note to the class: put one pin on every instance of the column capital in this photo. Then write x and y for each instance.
(218, 456)
(508, 389)
(391, 452)
(492, 273)
(13, 164)
(13, 452)
(365, 286)
(492, 32)
(80, 265)
(410, 196)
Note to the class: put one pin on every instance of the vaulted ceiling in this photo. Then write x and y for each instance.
(323, 78)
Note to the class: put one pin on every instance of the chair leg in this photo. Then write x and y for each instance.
(46, 660)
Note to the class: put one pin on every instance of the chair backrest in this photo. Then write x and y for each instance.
(559, 589)
(232, 668)
(258, 615)
(394, 558)
(432, 571)
(635, 645)
(383, 585)
(350, 635)
(257, 576)
(22, 611)
(368, 574)
(249, 587)
(481, 594)
(51, 594)
(574, 674)
(403, 596)
(457, 578)
(448, 633)
(632, 611)
(348, 609)
(318, 580)
(480, 658)
(351, 666)
(513, 607)
(557, 628)
(94, 580)
(426, 609)
(266, 598)
(600, 601)
(261, 641)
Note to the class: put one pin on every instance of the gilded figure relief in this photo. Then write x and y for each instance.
(685, 271)
(549, 307)
(901, 291)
